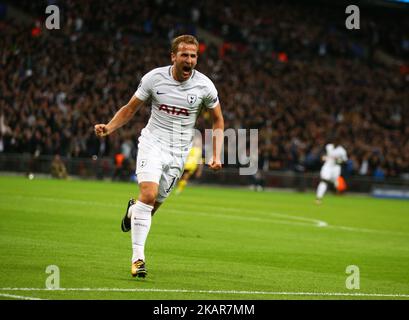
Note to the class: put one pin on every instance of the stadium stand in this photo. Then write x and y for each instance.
(291, 70)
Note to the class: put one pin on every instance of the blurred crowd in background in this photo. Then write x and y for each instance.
(289, 69)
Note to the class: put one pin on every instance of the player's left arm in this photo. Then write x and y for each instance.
(121, 117)
(218, 137)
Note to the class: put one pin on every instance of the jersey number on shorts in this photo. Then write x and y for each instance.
(171, 185)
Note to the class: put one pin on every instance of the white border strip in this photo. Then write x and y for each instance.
(234, 292)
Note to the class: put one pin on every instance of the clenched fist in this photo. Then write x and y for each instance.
(101, 130)
(215, 164)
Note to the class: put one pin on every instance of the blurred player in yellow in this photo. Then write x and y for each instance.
(193, 165)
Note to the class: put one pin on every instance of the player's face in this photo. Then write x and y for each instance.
(184, 61)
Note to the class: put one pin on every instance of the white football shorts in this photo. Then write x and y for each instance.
(158, 163)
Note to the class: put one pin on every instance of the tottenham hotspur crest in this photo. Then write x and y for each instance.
(191, 98)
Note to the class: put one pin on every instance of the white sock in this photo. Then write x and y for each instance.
(322, 188)
(130, 211)
(140, 224)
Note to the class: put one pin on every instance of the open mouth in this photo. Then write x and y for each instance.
(186, 70)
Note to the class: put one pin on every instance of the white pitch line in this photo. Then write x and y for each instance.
(363, 230)
(317, 223)
(17, 297)
(307, 221)
(71, 201)
(313, 222)
(234, 292)
(255, 219)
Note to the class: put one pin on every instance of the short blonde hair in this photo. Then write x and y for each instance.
(186, 38)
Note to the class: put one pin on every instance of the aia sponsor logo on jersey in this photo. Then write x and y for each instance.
(174, 110)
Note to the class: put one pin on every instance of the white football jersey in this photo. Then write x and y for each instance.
(335, 155)
(175, 105)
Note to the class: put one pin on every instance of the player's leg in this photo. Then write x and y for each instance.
(321, 189)
(141, 215)
(336, 172)
(149, 167)
(323, 185)
(156, 207)
(146, 194)
(126, 220)
(183, 181)
(171, 176)
(167, 182)
(148, 191)
(151, 196)
(155, 186)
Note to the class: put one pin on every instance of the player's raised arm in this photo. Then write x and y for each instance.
(218, 137)
(120, 118)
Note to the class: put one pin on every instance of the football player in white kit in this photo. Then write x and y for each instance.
(335, 156)
(177, 93)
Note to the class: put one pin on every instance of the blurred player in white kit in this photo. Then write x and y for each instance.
(335, 156)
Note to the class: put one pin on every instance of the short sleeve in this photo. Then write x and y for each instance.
(344, 155)
(210, 100)
(145, 86)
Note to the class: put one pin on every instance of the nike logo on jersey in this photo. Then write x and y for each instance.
(157, 92)
(174, 110)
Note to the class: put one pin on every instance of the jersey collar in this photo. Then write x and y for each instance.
(180, 82)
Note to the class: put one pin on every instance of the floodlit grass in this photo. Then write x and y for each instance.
(207, 243)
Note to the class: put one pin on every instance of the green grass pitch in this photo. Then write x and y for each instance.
(207, 243)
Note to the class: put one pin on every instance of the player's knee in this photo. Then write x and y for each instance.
(148, 198)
